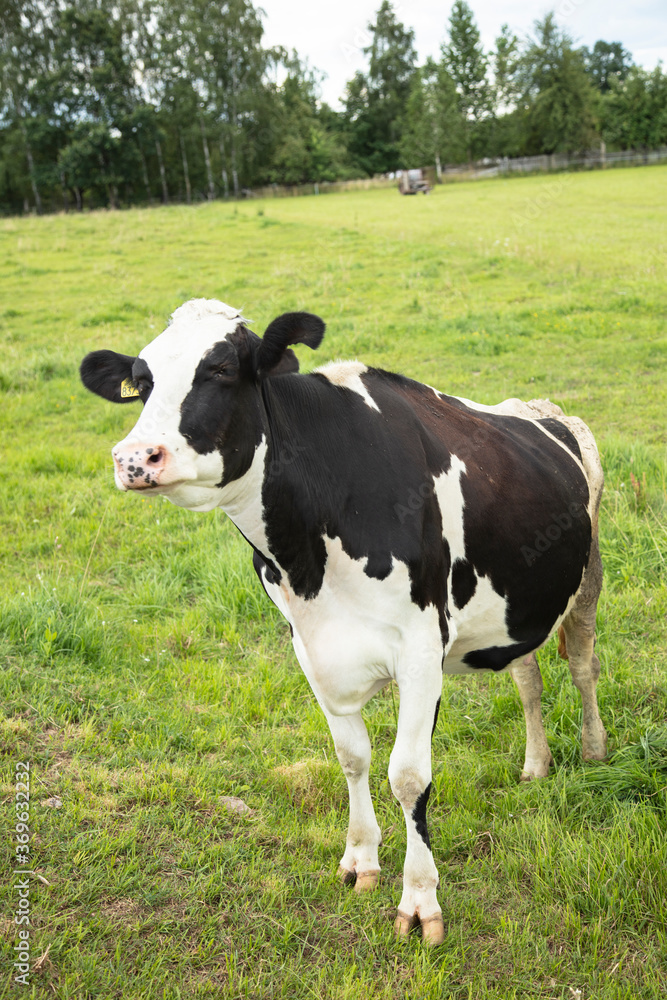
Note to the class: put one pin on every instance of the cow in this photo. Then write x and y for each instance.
(402, 533)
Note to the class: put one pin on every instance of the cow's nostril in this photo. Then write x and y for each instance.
(156, 457)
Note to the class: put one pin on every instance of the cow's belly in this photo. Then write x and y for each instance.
(359, 633)
(481, 625)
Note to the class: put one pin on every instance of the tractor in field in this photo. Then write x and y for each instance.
(413, 181)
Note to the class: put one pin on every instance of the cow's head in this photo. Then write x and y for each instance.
(200, 383)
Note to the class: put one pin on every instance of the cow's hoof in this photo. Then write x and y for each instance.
(594, 745)
(433, 930)
(531, 776)
(404, 924)
(346, 877)
(540, 769)
(363, 882)
(594, 754)
(366, 881)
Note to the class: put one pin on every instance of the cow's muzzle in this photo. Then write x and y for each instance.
(141, 466)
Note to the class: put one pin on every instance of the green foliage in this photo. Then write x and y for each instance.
(562, 112)
(106, 103)
(506, 69)
(605, 62)
(305, 149)
(375, 103)
(143, 100)
(634, 110)
(433, 130)
(466, 63)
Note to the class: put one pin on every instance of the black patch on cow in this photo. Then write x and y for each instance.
(103, 372)
(142, 377)
(498, 657)
(222, 410)
(464, 582)
(419, 815)
(563, 434)
(265, 568)
(343, 470)
(435, 716)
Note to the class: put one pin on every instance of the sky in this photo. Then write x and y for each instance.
(332, 33)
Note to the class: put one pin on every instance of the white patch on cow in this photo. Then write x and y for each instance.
(199, 308)
(590, 460)
(478, 625)
(447, 488)
(534, 409)
(386, 636)
(241, 501)
(348, 375)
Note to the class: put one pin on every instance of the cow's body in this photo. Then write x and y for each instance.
(401, 532)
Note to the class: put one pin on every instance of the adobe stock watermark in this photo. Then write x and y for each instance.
(568, 7)
(21, 885)
(465, 452)
(533, 209)
(553, 532)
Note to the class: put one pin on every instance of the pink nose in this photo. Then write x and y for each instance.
(140, 466)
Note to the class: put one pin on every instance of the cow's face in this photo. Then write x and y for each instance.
(199, 381)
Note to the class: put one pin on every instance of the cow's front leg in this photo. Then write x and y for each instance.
(353, 749)
(410, 779)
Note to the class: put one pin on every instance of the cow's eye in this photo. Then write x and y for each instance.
(224, 372)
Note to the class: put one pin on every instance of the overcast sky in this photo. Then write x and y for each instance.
(332, 33)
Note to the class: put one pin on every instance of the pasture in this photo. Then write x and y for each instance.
(147, 678)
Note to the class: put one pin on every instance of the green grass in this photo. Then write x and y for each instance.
(146, 676)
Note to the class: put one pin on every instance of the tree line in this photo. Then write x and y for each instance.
(110, 102)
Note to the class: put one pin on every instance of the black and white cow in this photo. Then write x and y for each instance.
(401, 532)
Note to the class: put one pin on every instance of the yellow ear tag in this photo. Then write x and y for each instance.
(128, 389)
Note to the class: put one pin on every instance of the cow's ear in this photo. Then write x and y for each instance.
(109, 375)
(274, 356)
(288, 363)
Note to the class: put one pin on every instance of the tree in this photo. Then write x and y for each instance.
(634, 110)
(375, 102)
(433, 129)
(506, 61)
(606, 62)
(25, 57)
(94, 88)
(503, 132)
(464, 59)
(560, 97)
(306, 147)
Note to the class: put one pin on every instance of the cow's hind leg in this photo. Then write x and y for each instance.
(577, 639)
(359, 863)
(410, 779)
(528, 679)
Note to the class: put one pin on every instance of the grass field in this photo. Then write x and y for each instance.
(146, 677)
